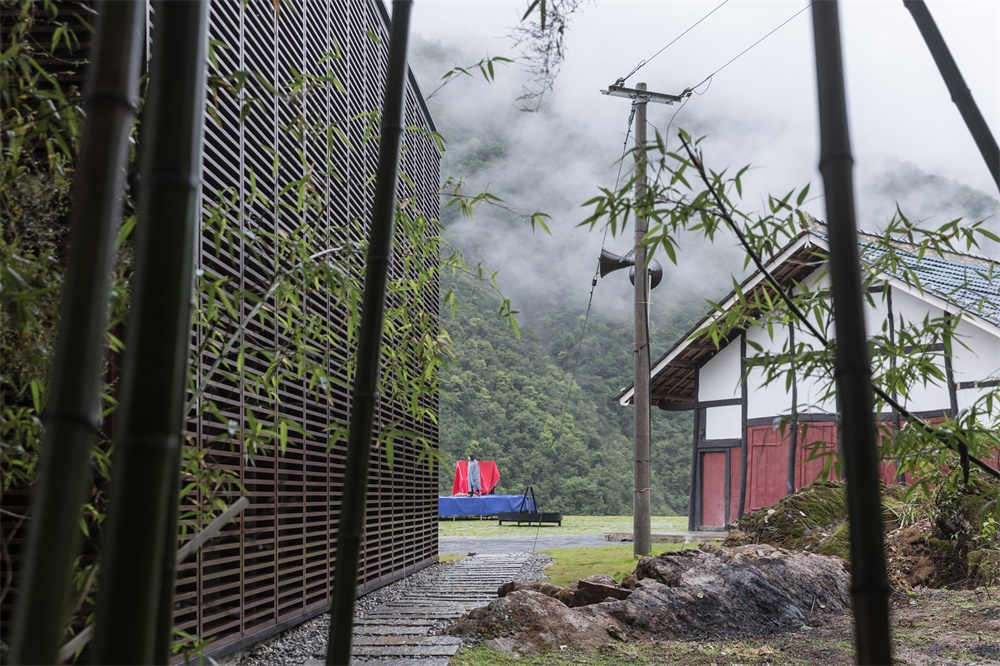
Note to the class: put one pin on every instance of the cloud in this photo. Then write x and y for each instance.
(758, 110)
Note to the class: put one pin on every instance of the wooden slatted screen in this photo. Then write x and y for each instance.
(272, 567)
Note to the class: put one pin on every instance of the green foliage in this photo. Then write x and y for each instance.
(510, 401)
(40, 136)
(593, 525)
(573, 564)
(540, 39)
(486, 67)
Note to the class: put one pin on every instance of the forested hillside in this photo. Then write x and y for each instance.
(541, 406)
(509, 400)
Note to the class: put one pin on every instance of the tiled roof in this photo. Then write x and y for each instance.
(969, 283)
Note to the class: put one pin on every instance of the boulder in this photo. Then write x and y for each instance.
(707, 593)
(731, 592)
(591, 590)
(548, 589)
(526, 622)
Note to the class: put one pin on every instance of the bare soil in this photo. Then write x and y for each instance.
(945, 600)
(929, 627)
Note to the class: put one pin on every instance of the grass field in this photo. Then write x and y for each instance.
(571, 525)
(573, 564)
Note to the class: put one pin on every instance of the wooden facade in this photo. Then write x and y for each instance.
(741, 459)
(272, 567)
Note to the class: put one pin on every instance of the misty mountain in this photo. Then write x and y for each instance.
(541, 406)
(928, 198)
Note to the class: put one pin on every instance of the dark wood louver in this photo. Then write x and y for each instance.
(272, 567)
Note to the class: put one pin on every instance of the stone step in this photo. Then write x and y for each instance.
(369, 651)
(393, 629)
(401, 633)
(413, 622)
(407, 641)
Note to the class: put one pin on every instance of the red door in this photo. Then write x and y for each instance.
(767, 466)
(713, 489)
(817, 443)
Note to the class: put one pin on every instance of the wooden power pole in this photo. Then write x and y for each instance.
(640, 354)
(641, 361)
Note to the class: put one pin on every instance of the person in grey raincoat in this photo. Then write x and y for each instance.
(475, 479)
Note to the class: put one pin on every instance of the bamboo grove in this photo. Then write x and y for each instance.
(43, 133)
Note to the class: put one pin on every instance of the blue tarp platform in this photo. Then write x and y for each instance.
(484, 505)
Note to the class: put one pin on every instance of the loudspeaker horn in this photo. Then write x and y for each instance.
(611, 262)
(655, 273)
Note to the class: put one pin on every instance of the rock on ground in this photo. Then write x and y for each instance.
(707, 593)
(731, 592)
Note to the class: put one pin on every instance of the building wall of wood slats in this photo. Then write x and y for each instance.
(273, 566)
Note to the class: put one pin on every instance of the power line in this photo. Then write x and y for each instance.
(692, 88)
(643, 62)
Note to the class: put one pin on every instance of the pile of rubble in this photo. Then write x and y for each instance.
(948, 540)
(707, 593)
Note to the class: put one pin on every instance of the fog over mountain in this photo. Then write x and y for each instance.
(513, 400)
(555, 159)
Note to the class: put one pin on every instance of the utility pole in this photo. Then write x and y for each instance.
(641, 538)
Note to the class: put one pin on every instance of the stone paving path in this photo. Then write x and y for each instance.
(405, 632)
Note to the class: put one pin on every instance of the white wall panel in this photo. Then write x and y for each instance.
(976, 354)
(770, 400)
(723, 422)
(719, 379)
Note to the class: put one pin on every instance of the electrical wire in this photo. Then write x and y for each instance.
(572, 376)
(744, 51)
(621, 161)
(642, 63)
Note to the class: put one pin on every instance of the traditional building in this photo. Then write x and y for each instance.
(743, 458)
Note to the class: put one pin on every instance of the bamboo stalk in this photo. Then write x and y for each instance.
(191, 547)
(869, 585)
(960, 93)
(365, 393)
(71, 416)
(140, 533)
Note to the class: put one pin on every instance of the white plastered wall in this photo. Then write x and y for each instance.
(976, 359)
(910, 311)
(770, 400)
(719, 379)
(773, 400)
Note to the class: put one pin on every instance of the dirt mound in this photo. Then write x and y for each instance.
(709, 593)
(929, 543)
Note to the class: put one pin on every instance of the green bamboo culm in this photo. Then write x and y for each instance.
(71, 416)
(133, 623)
(869, 584)
(359, 438)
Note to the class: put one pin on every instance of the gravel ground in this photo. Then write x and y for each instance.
(300, 644)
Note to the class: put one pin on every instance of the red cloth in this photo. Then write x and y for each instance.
(488, 473)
